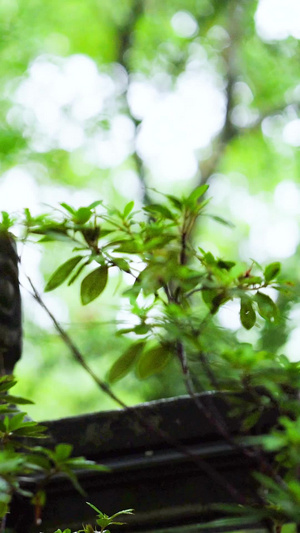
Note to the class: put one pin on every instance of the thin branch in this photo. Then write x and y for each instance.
(73, 348)
(125, 37)
(212, 414)
(203, 465)
(216, 419)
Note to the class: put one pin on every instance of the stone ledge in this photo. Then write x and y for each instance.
(166, 485)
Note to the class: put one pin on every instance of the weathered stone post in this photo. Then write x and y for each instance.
(10, 305)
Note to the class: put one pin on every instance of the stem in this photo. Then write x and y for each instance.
(215, 418)
(73, 348)
(2, 524)
(208, 371)
(212, 414)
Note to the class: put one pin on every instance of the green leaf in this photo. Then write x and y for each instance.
(142, 329)
(128, 247)
(208, 258)
(247, 313)
(82, 215)
(61, 274)
(153, 361)
(175, 201)
(227, 265)
(68, 208)
(214, 299)
(56, 235)
(15, 422)
(63, 452)
(7, 222)
(271, 271)
(77, 273)
(121, 264)
(123, 364)
(266, 307)
(96, 509)
(222, 220)
(80, 463)
(197, 193)
(251, 280)
(125, 511)
(251, 420)
(16, 399)
(31, 429)
(128, 208)
(93, 284)
(89, 529)
(160, 210)
(7, 382)
(95, 204)
(103, 522)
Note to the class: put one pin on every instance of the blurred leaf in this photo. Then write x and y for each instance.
(68, 208)
(78, 272)
(93, 284)
(61, 274)
(247, 313)
(17, 400)
(266, 307)
(271, 271)
(153, 361)
(159, 210)
(128, 247)
(63, 452)
(81, 463)
(177, 203)
(7, 222)
(196, 194)
(124, 363)
(124, 511)
(128, 208)
(142, 329)
(221, 220)
(95, 204)
(251, 420)
(96, 509)
(82, 215)
(122, 264)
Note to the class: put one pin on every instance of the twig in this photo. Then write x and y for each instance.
(73, 348)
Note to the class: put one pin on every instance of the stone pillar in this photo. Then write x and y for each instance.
(10, 305)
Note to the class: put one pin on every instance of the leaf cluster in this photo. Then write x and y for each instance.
(102, 520)
(21, 458)
(157, 247)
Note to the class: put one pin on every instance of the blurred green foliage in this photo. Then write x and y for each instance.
(137, 41)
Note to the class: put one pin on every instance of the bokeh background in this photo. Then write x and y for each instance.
(110, 100)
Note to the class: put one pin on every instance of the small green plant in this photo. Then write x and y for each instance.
(20, 456)
(102, 520)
